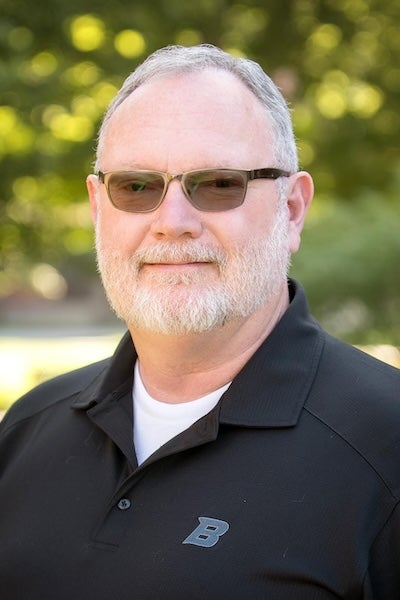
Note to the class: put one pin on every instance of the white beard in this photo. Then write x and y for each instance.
(173, 303)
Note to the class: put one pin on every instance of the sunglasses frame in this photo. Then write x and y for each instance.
(248, 175)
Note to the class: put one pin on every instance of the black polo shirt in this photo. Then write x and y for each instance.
(288, 488)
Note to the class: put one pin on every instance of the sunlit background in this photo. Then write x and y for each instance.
(337, 63)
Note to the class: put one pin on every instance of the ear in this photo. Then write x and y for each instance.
(92, 184)
(300, 195)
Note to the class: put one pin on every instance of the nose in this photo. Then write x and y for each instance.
(176, 217)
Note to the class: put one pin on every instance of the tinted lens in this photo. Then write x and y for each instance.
(135, 191)
(215, 190)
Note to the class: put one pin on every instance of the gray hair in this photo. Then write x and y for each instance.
(181, 59)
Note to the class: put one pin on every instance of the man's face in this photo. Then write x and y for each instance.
(177, 269)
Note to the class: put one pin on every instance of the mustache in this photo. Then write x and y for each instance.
(177, 253)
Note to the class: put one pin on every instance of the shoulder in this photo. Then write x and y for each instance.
(358, 398)
(49, 393)
(354, 372)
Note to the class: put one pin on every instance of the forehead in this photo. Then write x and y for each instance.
(206, 117)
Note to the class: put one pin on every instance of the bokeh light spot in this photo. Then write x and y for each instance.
(48, 282)
(130, 43)
(87, 32)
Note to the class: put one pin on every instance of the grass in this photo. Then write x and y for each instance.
(25, 362)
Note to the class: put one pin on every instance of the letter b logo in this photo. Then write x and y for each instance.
(207, 534)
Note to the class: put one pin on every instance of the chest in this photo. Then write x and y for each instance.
(256, 513)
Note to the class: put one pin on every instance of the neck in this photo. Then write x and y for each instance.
(182, 368)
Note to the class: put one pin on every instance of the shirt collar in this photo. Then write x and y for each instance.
(271, 389)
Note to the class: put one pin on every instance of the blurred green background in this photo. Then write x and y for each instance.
(336, 61)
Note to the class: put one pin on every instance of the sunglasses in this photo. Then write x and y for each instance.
(207, 189)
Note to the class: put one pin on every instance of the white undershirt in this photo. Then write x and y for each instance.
(155, 422)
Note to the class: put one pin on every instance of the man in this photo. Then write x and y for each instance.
(230, 448)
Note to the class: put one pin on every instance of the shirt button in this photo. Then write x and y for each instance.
(124, 504)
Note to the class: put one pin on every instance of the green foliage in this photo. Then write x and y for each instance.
(336, 61)
(349, 264)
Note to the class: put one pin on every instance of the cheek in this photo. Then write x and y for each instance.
(249, 226)
(119, 231)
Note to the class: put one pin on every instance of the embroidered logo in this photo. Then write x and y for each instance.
(207, 534)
